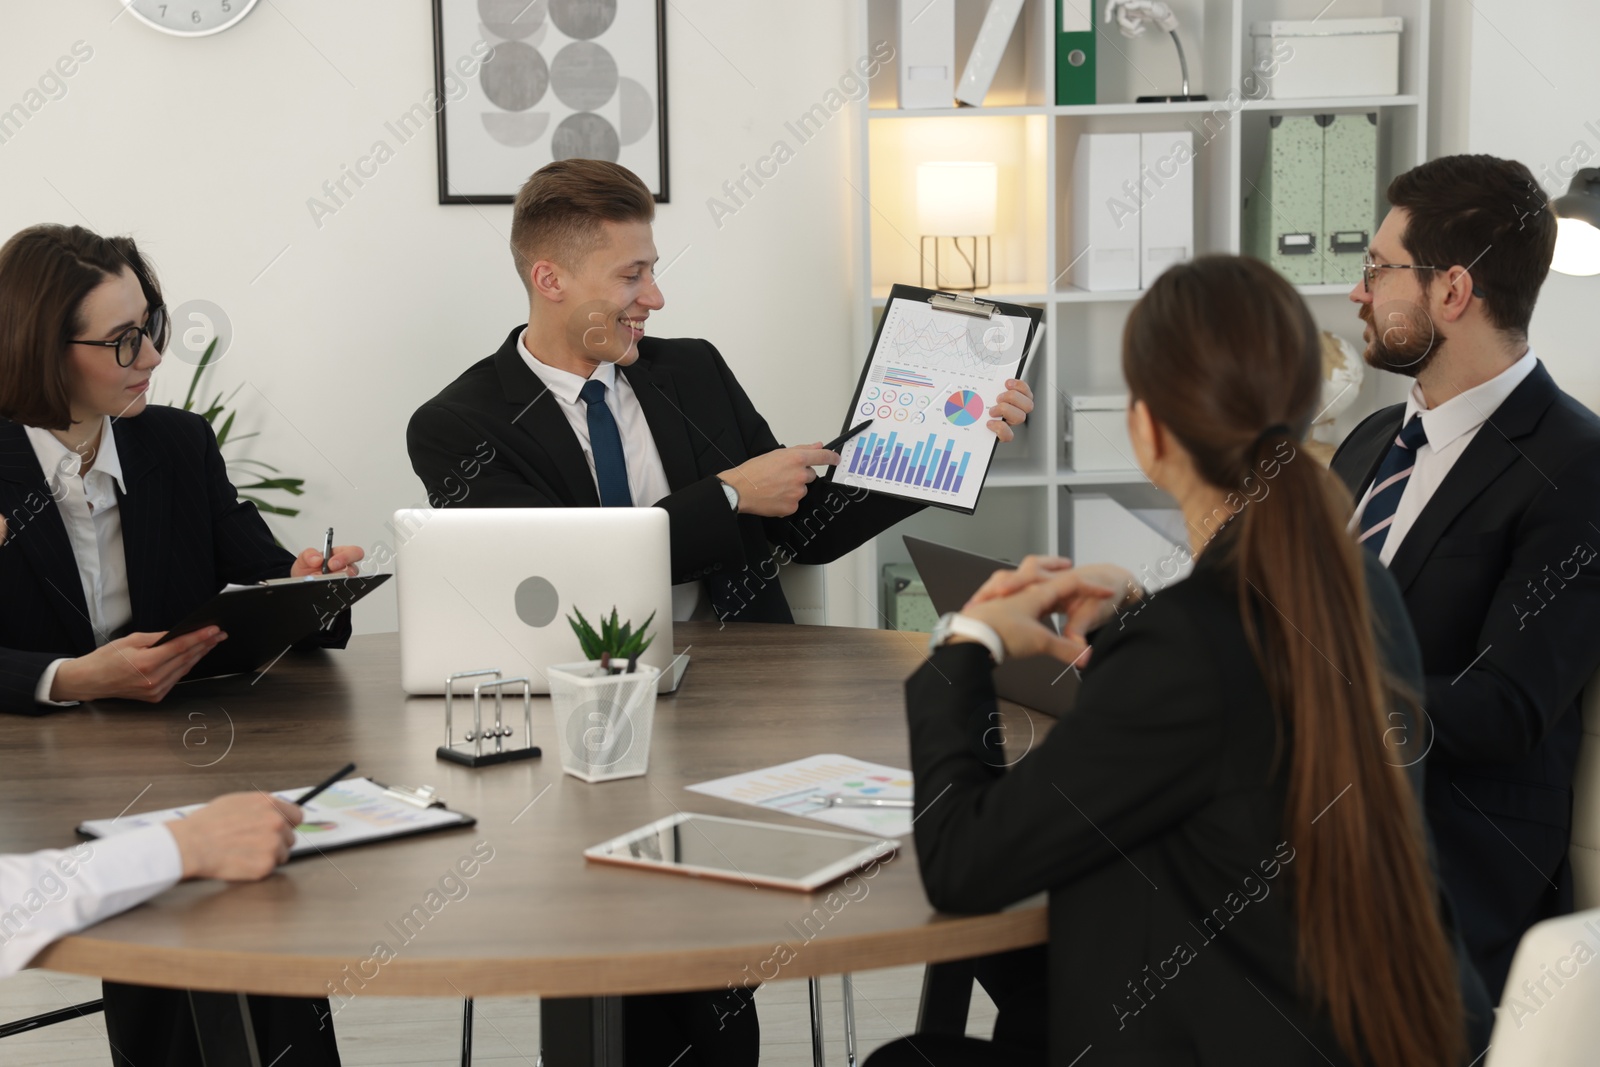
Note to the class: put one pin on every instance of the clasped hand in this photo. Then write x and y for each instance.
(1016, 603)
(774, 483)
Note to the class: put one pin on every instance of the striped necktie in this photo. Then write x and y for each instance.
(1390, 484)
(605, 444)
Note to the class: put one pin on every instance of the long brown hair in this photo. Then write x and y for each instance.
(1221, 349)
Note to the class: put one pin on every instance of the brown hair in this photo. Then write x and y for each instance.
(1486, 214)
(45, 273)
(558, 211)
(1219, 349)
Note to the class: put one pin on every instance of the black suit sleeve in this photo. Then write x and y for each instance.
(1537, 641)
(20, 672)
(1140, 751)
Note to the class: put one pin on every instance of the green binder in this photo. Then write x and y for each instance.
(1283, 216)
(1349, 192)
(1075, 52)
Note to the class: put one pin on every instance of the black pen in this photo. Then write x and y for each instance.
(311, 794)
(327, 550)
(838, 442)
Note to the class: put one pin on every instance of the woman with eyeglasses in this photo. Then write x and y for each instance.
(1227, 821)
(119, 516)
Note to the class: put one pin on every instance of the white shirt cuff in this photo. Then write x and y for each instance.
(47, 681)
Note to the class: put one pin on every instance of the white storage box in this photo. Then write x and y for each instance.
(1329, 57)
(1097, 433)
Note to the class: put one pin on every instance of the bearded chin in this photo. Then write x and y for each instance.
(1408, 358)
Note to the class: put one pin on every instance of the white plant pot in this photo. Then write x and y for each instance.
(603, 720)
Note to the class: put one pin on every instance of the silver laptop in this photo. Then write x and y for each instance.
(951, 576)
(487, 588)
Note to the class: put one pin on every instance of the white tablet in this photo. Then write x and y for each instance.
(739, 850)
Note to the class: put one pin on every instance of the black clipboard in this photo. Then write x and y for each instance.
(964, 303)
(262, 621)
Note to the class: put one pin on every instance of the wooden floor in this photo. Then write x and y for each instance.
(389, 1030)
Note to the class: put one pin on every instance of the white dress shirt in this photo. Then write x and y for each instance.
(1450, 428)
(88, 506)
(47, 895)
(647, 478)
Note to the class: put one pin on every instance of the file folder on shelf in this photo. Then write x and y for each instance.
(1166, 218)
(927, 53)
(1075, 48)
(984, 62)
(1349, 192)
(1105, 241)
(1283, 212)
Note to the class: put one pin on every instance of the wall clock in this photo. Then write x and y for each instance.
(190, 18)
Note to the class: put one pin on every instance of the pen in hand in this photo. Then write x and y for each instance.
(835, 801)
(327, 549)
(311, 794)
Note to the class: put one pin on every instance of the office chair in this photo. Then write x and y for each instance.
(1547, 1015)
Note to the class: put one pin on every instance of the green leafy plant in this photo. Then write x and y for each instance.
(614, 640)
(265, 474)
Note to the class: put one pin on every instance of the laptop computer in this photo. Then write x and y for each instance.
(951, 576)
(493, 587)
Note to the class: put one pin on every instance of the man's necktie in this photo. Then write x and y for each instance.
(1390, 484)
(610, 465)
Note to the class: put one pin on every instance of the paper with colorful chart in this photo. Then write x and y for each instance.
(352, 812)
(930, 381)
(793, 788)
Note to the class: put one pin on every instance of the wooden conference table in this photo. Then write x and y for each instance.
(536, 918)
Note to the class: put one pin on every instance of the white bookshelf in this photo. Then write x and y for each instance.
(1026, 504)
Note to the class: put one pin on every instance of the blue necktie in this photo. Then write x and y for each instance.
(610, 466)
(1389, 485)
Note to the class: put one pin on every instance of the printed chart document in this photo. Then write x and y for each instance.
(355, 811)
(938, 364)
(792, 788)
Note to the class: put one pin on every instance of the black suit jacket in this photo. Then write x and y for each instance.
(1152, 813)
(1502, 584)
(185, 534)
(495, 437)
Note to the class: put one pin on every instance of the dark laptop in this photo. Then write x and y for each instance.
(951, 576)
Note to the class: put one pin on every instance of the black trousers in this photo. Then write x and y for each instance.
(946, 1050)
(705, 1028)
(1018, 984)
(150, 1027)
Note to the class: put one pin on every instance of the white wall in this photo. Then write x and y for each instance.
(207, 151)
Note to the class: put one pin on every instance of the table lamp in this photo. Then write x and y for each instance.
(1131, 16)
(956, 202)
(1578, 225)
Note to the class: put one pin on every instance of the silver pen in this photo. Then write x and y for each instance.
(327, 549)
(828, 800)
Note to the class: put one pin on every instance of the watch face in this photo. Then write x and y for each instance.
(190, 18)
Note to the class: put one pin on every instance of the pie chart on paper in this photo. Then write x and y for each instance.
(963, 407)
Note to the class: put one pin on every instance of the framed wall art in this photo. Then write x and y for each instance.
(519, 83)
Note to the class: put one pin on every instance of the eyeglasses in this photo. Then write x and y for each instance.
(128, 341)
(1369, 273)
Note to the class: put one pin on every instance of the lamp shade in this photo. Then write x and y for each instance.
(1578, 225)
(957, 199)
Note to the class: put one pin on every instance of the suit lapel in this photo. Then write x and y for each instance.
(37, 531)
(658, 397)
(146, 509)
(537, 413)
(1492, 451)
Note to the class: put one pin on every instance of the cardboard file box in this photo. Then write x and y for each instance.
(1105, 243)
(1330, 57)
(906, 605)
(1166, 219)
(1097, 433)
(1349, 192)
(927, 53)
(1283, 214)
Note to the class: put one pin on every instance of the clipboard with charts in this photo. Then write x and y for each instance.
(937, 363)
(356, 811)
(264, 621)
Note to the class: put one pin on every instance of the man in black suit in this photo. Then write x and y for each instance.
(580, 409)
(1482, 495)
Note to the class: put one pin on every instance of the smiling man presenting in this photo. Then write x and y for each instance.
(581, 409)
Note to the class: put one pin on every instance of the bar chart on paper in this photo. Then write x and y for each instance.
(932, 379)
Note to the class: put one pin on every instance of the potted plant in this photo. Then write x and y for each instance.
(604, 706)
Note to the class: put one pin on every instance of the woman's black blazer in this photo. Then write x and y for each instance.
(185, 534)
(1153, 816)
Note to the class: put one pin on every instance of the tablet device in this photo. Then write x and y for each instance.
(739, 850)
(263, 621)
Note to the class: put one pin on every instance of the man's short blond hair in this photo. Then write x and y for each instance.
(559, 210)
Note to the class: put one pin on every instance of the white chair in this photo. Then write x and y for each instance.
(806, 590)
(1549, 1014)
(1585, 849)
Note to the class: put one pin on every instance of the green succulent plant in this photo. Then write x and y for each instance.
(614, 640)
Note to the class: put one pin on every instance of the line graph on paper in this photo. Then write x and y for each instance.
(791, 787)
(948, 342)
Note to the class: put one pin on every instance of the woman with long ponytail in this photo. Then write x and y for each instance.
(1227, 821)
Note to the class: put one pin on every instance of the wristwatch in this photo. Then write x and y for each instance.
(732, 494)
(954, 624)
